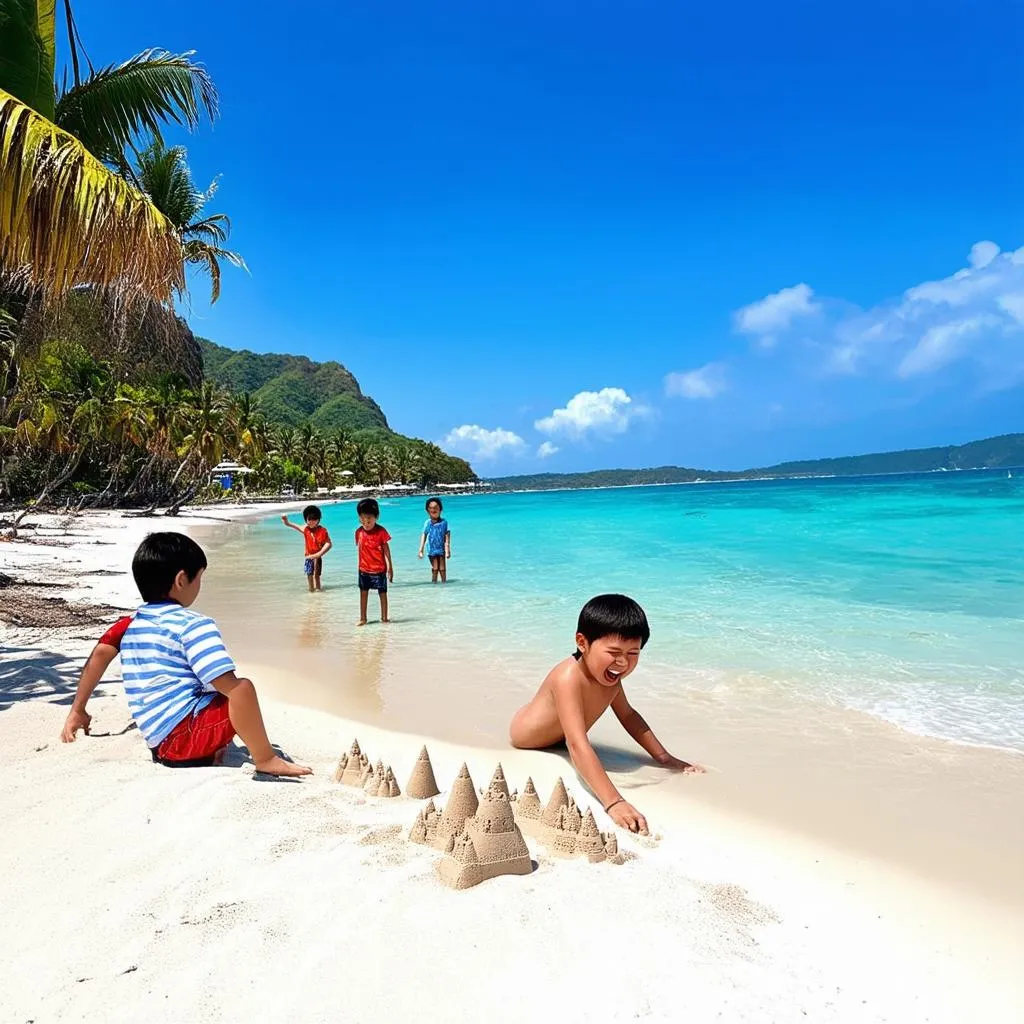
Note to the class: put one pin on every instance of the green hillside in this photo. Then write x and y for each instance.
(1006, 451)
(292, 390)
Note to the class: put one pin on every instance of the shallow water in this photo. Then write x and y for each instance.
(898, 596)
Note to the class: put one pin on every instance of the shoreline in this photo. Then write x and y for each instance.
(834, 913)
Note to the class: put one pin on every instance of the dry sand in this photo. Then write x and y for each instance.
(133, 891)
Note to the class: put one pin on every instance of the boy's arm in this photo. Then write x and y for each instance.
(423, 542)
(284, 519)
(633, 722)
(569, 708)
(97, 663)
(323, 551)
(386, 549)
(447, 543)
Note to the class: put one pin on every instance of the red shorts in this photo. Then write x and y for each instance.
(196, 738)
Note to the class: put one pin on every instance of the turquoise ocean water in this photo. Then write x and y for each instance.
(901, 596)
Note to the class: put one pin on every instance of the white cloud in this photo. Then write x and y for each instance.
(775, 313)
(608, 411)
(480, 443)
(982, 254)
(546, 450)
(976, 313)
(706, 382)
(940, 345)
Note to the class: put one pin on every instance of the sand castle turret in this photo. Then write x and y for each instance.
(589, 841)
(462, 804)
(388, 786)
(498, 782)
(422, 783)
(340, 770)
(424, 829)
(559, 799)
(356, 764)
(489, 845)
(528, 804)
(371, 782)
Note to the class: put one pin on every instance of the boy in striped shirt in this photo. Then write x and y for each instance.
(179, 679)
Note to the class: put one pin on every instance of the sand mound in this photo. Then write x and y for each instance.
(422, 784)
(559, 799)
(489, 845)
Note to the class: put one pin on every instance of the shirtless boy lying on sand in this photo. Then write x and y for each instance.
(611, 632)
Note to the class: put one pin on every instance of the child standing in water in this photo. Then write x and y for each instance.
(318, 543)
(610, 634)
(376, 570)
(437, 539)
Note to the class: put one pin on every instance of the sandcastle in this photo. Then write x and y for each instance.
(371, 783)
(462, 804)
(388, 785)
(563, 828)
(498, 783)
(527, 805)
(424, 829)
(340, 770)
(488, 845)
(422, 785)
(356, 767)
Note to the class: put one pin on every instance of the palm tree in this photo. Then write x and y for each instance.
(67, 218)
(165, 177)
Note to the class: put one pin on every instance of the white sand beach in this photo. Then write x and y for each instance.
(768, 892)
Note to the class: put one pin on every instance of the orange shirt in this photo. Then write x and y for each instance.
(371, 544)
(316, 538)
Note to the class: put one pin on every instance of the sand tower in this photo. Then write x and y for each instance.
(528, 804)
(388, 785)
(354, 773)
(422, 783)
(424, 828)
(589, 841)
(462, 804)
(498, 781)
(489, 845)
(559, 799)
(371, 782)
(340, 770)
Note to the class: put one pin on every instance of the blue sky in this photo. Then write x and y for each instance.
(569, 236)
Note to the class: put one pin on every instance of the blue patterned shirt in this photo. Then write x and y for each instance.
(435, 532)
(169, 657)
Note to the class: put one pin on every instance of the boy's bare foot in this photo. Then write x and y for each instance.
(361, 622)
(279, 766)
(385, 620)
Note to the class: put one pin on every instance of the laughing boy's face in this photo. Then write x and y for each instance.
(610, 659)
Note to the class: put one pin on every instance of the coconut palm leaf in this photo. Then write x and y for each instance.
(27, 54)
(117, 105)
(67, 220)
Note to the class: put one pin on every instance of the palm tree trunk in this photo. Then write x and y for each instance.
(53, 485)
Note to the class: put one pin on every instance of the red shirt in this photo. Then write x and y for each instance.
(114, 635)
(371, 544)
(316, 538)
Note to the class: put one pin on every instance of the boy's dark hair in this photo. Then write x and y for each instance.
(311, 512)
(613, 615)
(430, 501)
(159, 559)
(368, 507)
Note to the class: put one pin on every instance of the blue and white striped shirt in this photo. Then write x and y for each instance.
(169, 658)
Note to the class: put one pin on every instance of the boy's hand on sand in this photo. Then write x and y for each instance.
(681, 766)
(76, 720)
(626, 816)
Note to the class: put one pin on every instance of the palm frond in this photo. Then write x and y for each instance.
(164, 176)
(67, 220)
(121, 103)
(27, 53)
(214, 229)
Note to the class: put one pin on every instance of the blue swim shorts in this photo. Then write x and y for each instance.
(374, 581)
(310, 566)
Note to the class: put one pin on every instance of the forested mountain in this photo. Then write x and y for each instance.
(1006, 450)
(293, 390)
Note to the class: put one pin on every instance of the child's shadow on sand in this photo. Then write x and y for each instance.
(614, 759)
